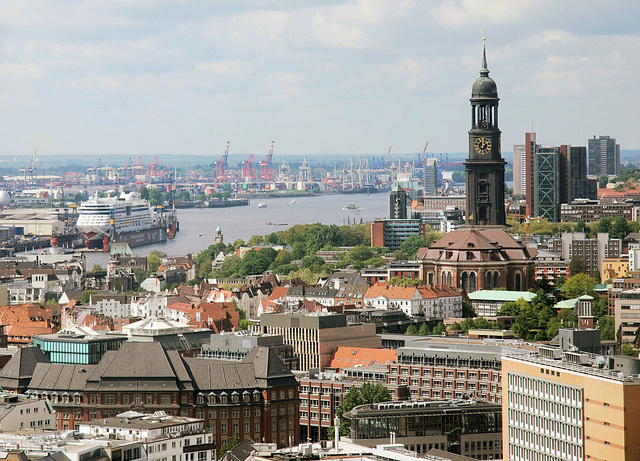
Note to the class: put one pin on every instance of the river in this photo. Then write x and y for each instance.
(198, 225)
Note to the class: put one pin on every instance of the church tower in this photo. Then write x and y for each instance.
(485, 166)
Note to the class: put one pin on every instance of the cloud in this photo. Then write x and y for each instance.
(97, 82)
(456, 14)
(18, 71)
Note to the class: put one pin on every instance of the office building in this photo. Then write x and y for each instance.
(390, 233)
(565, 405)
(465, 427)
(315, 337)
(547, 184)
(430, 176)
(604, 156)
(81, 346)
(585, 253)
(398, 201)
(519, 170)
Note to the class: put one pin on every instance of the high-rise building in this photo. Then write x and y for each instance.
(567, 405)
(550, 176)
(604, 156)
(519, 170)
(398, 203)
(548, 183)
(430, 176)
(578, 185)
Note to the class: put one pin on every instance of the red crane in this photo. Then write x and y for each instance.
(266, 168)
(222, 166)
(248, 169)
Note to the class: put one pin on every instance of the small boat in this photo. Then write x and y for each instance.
(269, 223)
(292, 202)
(351, 206)
(200, 235)
(262, 205)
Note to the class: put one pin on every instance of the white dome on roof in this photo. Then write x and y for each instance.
(5, 199)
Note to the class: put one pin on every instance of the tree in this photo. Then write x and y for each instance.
(86, 296)
(578, 285)
(455, 326)
(412, 244)
(580, 226)
(400, 255)
(424, 329)
(521, 327)
(312, 261)
(283, 257)
(619, 228)
(144, 193)
(467, 310)
(154, 260)
(233, 441)
(439, 329)
(411, 330)
(366, 394)
(405, 282)
(607, 327)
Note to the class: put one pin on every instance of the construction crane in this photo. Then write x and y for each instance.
(154, 168)
(222, 166)
(386, 160)
(266, 167)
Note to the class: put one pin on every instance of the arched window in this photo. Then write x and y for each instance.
(488, 281)
(518, 282)
(465, 282)
(443, 280)
(449, 278)
(430, 278)
(472, 282)
(496, 277)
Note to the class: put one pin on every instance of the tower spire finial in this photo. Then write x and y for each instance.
(485, 70)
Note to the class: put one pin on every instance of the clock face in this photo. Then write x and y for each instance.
(482, 146)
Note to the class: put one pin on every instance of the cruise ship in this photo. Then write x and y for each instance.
(134, 220)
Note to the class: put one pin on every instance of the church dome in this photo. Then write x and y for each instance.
(484, 87)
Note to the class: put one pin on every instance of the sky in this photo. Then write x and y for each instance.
(145, 77)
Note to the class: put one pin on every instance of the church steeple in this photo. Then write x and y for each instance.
(485, 165)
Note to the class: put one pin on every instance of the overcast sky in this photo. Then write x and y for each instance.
(143, 77)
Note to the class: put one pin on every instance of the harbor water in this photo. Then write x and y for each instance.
(198, 225)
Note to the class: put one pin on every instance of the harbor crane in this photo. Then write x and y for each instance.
(222, 166)
(266, 167)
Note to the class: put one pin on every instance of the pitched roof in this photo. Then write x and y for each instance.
(390, 292)
(23, 363)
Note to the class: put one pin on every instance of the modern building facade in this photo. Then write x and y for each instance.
(430, 176)
(398, 202)
(586, 252)
(604, 156)
(315, 337)
(560, 406)
(390, 233)
(465, 427)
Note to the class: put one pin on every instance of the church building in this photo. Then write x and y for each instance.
(481, 254)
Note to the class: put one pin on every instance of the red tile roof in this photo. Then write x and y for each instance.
(349, 356)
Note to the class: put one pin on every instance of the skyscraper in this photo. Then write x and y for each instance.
(519, 170)
(398, 204)
(430, 176)
(604, 156)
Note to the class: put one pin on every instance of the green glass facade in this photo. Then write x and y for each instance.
(80, 351)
